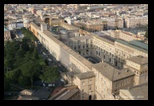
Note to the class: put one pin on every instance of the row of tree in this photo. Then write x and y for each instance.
(23, 65)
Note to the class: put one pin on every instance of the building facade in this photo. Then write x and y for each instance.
(96, 81)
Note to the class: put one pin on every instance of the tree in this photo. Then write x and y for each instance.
(35, 54)
(31, 47)
(6, 84)
(30, 69)
(9, 62)
(50, 74)
(25, 46)
(13, 75)
(23, 80)
(21, 53)
(46, 62)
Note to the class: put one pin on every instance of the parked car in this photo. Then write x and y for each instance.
(51, 85)
(61, 80)
(49, 59)
(44, 54)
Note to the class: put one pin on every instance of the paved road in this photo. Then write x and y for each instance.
(60, 67)
(42, 49)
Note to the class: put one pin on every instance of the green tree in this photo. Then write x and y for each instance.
(31, 69)
(9, 62)
(50, 74)
(27, 57)
(6, 84)
(23, 80)
(27, 71)
(46, 62)
(13, 75)
(21, 53)
(35, 54)
(32, 47)
(25, 46)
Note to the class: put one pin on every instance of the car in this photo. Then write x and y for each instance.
(49, 59)
(44, 54)
(61, 80)
(51, 85)
(43, 84)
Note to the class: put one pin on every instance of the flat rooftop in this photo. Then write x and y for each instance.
(139, 44)
(139, 92)
(66, 95)
(139, 60)
(130, 45)
(108, 38)
(81, 38)
(85, 75)
(111, 72)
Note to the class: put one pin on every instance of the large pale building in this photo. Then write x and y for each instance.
(136, 21)
(99, 65)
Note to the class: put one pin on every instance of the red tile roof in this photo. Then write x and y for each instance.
(56, 90)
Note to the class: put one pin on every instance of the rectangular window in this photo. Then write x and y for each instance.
(89, 88)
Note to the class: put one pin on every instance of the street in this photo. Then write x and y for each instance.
(46, 55)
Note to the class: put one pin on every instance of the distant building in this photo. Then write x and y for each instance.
(7, 34)
(136, 22)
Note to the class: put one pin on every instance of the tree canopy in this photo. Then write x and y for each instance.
(23, 65)
(50, 74)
